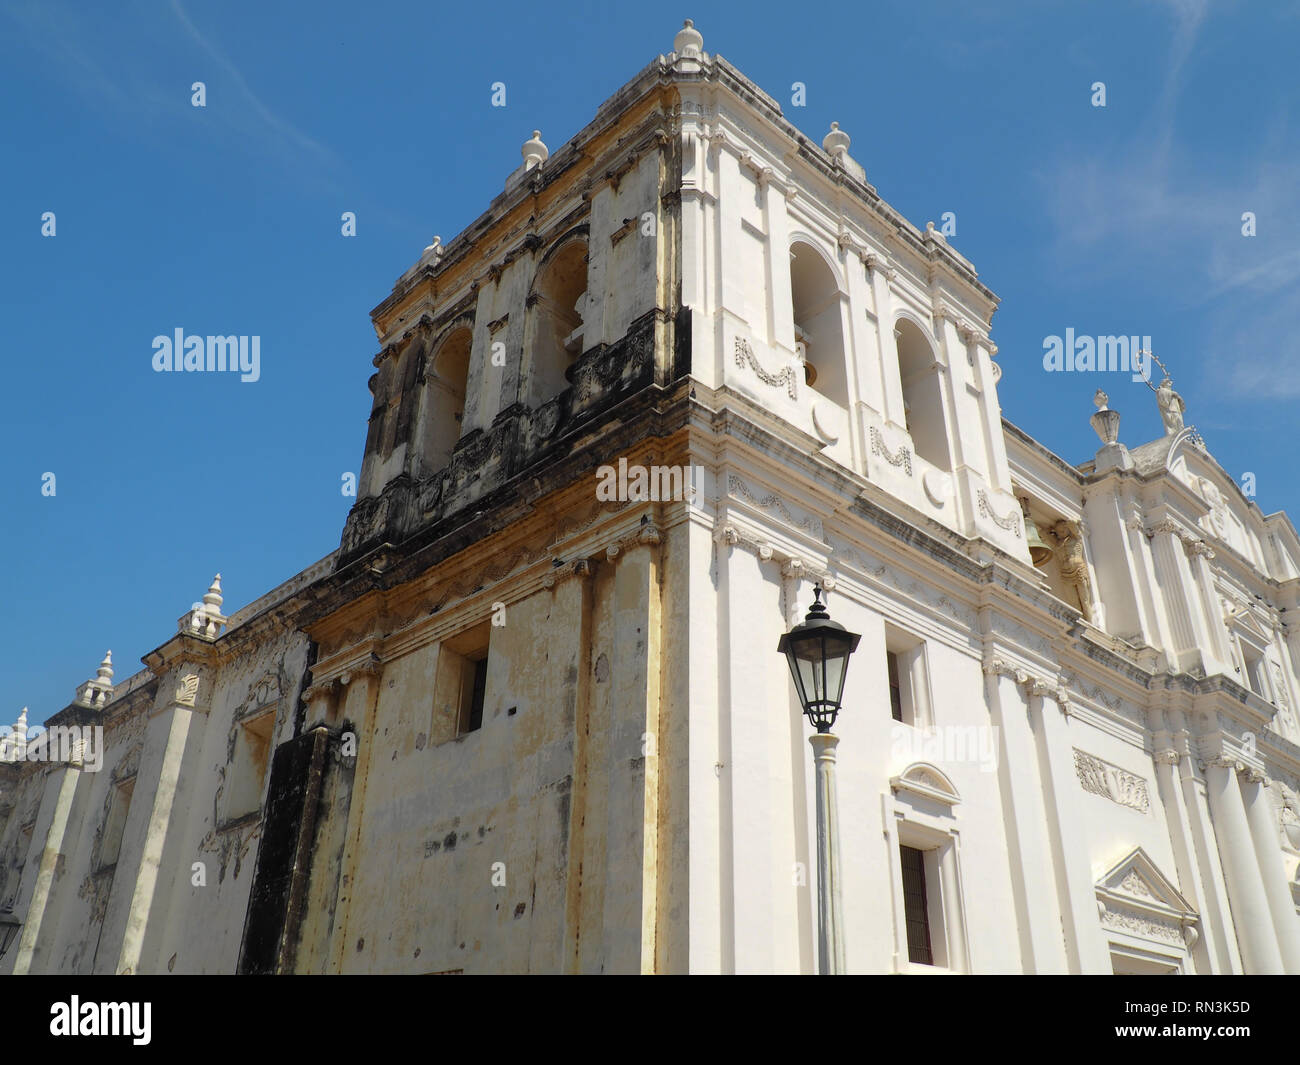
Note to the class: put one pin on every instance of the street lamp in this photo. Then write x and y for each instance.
(818, 650)
(9, 925)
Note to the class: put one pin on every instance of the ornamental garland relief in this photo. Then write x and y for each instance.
(745, 357)
(1111, 782)
(902, 457)
(1011, 521)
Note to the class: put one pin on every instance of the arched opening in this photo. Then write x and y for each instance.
(818, 329)
(922, 394)
(446, 383)
(558, 299)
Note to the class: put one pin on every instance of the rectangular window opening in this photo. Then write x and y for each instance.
(895, 686)
(916, 906)
(473, 687)
(110, 845)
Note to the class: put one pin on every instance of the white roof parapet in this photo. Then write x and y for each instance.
(97, 691)
(205, 619)
(13, 747)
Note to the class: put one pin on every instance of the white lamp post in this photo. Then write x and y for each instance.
(818, 650)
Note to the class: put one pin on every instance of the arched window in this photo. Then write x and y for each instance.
(446, 383)
(818, 328)
(922, 394)
(558, 299)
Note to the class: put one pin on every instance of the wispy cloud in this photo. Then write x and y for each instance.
(261, 114)
(1152, 208)
(78, 45)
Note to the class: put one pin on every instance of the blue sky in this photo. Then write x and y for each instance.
(226, 219)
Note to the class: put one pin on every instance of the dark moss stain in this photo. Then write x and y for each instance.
(564, 805)
(450, 841)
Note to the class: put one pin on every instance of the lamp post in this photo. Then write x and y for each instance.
(818, 650)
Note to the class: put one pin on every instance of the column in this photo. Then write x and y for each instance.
(891, 381)
(1264, 831)
(1085, 945)
(1250, 908)
(1038, 916)
(1216, 916)
(954, 910)
(830, 930)
(60, 790)
(1165, 759)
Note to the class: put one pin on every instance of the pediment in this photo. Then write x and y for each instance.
(921, 778)
(1247, 623)
(1135, 897)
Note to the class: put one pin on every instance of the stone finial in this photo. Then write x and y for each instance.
(535, 153)
(213, 596)
(1100, 399)
(97, 691)
(14, 746)
(205, 619)
(688, 44)
(836, 142)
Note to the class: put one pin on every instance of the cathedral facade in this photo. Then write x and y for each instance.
(529, 716)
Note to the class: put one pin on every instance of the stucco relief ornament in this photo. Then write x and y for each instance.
(1217, 506)
(1011, 521)
(1283, 701)
(902, 457)
(745, 356)
(187, 690)
(1289, 815)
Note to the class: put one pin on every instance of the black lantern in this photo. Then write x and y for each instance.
(9, 925)
(818, 651)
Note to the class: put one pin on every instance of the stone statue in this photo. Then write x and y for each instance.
(1073, 567)
(1171, 407)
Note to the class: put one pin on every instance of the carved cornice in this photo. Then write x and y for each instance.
(368, 666)
(739, 489)
(324, 689)
(766, 552)
(1034, 684)
(647, 534)
(1193, 545)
